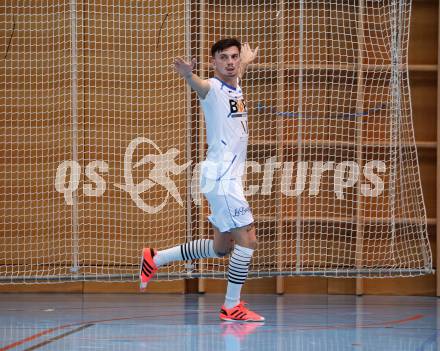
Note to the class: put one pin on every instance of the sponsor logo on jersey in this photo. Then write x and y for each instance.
(238, 108)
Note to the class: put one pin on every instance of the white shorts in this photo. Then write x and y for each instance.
(229, 208)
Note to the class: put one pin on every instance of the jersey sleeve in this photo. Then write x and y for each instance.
(211, 96)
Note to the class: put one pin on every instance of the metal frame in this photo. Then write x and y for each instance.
(339, 273)
(74, 92)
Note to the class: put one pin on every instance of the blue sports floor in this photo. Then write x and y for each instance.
(190, 322)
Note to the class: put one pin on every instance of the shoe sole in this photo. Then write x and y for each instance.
(242, 320)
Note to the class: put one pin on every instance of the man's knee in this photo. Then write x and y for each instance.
(221, 254)
(223, 248)
(246, 236)
(224, 252)
(251, 243)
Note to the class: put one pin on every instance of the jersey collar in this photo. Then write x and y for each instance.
(226, 84)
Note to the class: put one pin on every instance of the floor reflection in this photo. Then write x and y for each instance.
(190, 323)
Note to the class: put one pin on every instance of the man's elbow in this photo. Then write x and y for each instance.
(203, 90)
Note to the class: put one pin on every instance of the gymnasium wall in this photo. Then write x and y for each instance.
(107, 99)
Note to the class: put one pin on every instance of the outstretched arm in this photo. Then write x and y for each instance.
(184, 68)
(247, 55)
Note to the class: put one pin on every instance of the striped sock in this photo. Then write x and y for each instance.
(202, 248)
(237, 274)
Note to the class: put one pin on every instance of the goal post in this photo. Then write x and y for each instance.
(101, 141)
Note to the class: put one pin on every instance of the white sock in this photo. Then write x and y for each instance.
(237, 274)
(202, 248)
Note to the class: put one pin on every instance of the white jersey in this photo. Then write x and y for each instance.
(226, 120)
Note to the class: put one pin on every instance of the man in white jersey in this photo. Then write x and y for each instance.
(226, 120)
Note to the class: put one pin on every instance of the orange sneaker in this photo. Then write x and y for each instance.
(148, 267)
(239, 313)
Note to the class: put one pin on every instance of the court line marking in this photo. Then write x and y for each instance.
(431, 340)
(386, 324)
(65, 326)
(30, 338)
(58, 337)
(312, 327)
(281, 330)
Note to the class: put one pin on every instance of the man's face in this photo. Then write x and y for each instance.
(227, 62)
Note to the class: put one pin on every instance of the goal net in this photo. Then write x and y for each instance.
(101, 140)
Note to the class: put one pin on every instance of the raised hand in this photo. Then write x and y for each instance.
(183, 67)
(247, 55)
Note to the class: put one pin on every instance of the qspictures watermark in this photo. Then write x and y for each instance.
(164, 168)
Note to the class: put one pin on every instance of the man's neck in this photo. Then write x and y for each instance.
(232, 81)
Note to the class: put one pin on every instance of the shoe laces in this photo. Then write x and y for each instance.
(242, 305)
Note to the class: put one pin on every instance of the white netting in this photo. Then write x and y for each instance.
(97, 133)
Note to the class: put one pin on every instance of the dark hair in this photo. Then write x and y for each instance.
(224, 44)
